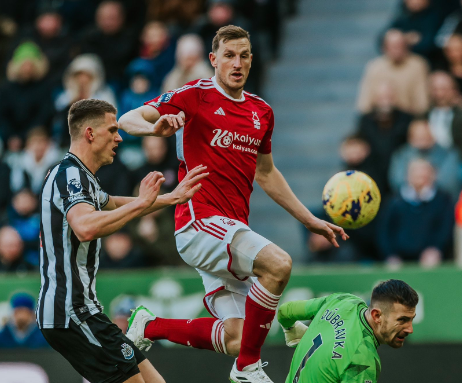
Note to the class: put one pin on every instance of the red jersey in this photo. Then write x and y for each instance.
(224, 134)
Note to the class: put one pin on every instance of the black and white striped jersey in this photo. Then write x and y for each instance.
(67, 266)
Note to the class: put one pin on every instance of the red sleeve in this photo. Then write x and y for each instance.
(184, 99)
(265, 147)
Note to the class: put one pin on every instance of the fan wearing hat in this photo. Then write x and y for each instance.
(21, 331)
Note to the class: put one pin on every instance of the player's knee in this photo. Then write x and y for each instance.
(282, 266)
(233, 346)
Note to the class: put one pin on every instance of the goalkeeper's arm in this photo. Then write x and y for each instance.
(290, 314)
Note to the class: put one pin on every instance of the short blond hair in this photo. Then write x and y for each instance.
(227, 33)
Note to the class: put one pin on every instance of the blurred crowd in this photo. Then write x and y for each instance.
(126, 52)
(408, 138)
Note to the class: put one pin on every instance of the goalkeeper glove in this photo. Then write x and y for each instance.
(294, 334)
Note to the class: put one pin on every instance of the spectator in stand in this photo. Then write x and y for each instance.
(385, 130)
(116, 178)
(190, 64)
(21, 331)
(140, 89)
(25, 96)
(121, 310)
(11, 252)
(421, 144)
(112, 41)
(158, 51)
(406, 72)
(419, 22)
(39, 155)
(23, 215)
(54, 41)
(445, 115)
(157, 158)
(452, 62)
(153, 233)
(417, 224)
(119, 252)
(84, 78)
(178, 14)
(451, 24)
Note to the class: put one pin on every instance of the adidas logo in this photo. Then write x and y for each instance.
(220, 112)
(267, 326)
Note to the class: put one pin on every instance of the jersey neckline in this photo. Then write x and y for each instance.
(222, 91)
(365, 323)
(82, 165)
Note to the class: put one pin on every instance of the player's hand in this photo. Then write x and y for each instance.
(189, 186)
(150, 188)
(294, 334)
(327, 230)
(168, 124)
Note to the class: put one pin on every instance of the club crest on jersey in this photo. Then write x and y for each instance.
(256, 120)
(74, 187)
(166, 97)
(127, 351)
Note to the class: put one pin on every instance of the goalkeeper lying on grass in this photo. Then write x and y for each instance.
(340, 345)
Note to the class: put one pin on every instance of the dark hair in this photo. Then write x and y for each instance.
(84, 111)
(395, 291)
(229, 32)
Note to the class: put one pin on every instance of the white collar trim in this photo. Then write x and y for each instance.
(222, 91)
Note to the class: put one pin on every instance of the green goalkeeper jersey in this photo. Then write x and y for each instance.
(339, 345)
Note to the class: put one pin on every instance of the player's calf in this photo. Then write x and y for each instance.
(233, 335)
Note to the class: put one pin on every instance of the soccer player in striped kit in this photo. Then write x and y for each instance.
(75, 213)
(220, 125)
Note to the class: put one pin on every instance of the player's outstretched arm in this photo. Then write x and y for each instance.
(147, 121)
(275, 185)
(185, 190)
(89, 224)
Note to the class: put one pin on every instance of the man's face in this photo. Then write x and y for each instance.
(442, 90)
(106, 139)
(23, 317)
(232, 63)
(395, 47)
(395, 325)
(110, 18)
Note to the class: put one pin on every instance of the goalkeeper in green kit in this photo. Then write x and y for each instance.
(340, 345)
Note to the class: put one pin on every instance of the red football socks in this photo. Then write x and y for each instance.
(203, 333)
(260, 308)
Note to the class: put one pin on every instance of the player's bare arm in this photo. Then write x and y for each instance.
(181, 194)
(275, 185)
(147, 121)
(89, 224)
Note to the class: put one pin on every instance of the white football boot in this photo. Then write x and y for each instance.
(252, 373)
(136, 325)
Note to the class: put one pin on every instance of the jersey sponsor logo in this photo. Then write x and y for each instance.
(256, 120)
(166, 97)
(127, 351)
(220, 111)
(224, 139)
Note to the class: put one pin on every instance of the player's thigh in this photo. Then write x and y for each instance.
(149, 373)
(230, 308)
(221, 247)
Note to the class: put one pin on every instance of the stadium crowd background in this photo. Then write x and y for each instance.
(408, 135)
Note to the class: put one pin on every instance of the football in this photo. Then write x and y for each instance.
(351, 199)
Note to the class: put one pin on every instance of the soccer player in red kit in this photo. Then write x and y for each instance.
(219, 125)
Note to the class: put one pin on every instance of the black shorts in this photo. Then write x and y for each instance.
(97, 349)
